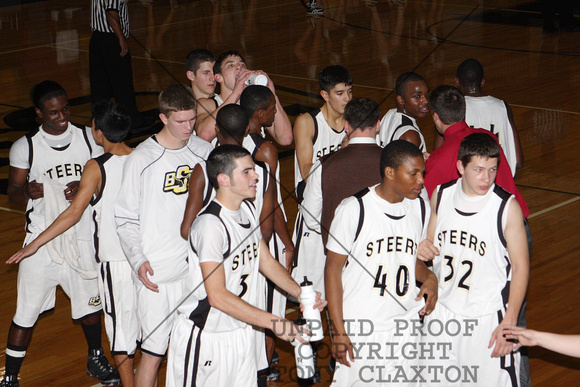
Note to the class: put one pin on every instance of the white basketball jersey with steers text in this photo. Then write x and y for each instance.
(381, 241)
(473, 267)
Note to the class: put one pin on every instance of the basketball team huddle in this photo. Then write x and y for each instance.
(420, 260)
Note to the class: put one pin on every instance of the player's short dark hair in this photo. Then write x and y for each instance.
(112, 119)
(362, 113)
(196, 57)
(333, 75)
(256, 97)
(232, 121)
(217, 66)
(449, 104)
(223, 160)
(478, 144)
(396, 153)
(470, 73)
(401, 85)
(45, 90)
(176, 97)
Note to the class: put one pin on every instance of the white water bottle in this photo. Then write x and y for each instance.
(257, 79)
(312, 315)
(303, 353)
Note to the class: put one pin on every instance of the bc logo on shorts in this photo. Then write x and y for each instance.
(177, 182)
(95, 301)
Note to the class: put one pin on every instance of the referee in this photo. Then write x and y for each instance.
(110, 70)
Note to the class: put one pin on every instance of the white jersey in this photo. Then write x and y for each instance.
(232, 238)
(151, 204)
(473, 267)
(394, 125)
(326, 140)
(64, 165)
(106, 240)
(491, 114)
(380, 239)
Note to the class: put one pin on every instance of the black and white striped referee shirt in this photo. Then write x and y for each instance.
(99, 10)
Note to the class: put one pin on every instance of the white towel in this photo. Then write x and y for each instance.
(64, 247)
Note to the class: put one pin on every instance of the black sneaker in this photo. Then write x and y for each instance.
(313, 9)
(9, 381)
(273, 374)
(98, 367)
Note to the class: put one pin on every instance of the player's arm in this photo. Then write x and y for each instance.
(517, 245)
(90, 181)
(19, 189)
(517, 143)
(194, 200)
(268, 207)
(127, 218)
(312, 203)
(303, 135)
(564, 344)
(115, 23)
(281, 129)
(221, 298)
(276, 273)
(411, 136)
(427, 250)
(341, 344)
(429, 287)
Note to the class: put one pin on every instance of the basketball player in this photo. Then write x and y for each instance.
(212, 339)
(488, 112)
(52, 156)
(372, 266)
(99, 186)
(231, 73)
(317, 133)
(152, 197)
(412, 103)
(199, 70)
(477, 241)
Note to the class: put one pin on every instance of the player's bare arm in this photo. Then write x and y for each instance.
(517, 143)
(429, 287)
(90, 183)
(517, 244)
(341, 345)
(281, 129)
(115, 23)
(19, 190)
(303, 136)
(426, 250)
(221, 298)
(194, 200)
(565, 344)
(412, 136)
(206, 111)
(267, 214)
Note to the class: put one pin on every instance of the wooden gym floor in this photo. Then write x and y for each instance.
(536, 72)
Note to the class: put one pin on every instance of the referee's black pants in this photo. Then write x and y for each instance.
(111, 74)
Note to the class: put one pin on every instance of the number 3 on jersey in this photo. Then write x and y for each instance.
(243, 285)
(466, 268)
(402, 283)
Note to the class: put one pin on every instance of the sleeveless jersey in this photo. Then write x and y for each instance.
(491, 114)
(325, 141)
(380, 239)
(232, 238)
(105, 237)
(151, 204)
(473, 267)
(394, 125)
(63, 165)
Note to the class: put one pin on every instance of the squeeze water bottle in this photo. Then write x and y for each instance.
(312, 315)
(303, 353)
